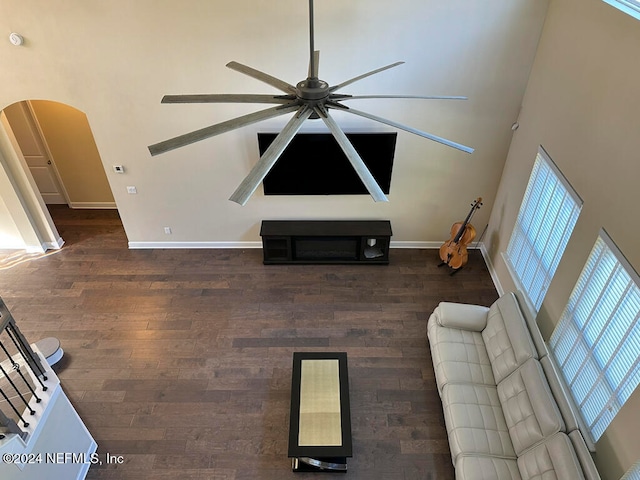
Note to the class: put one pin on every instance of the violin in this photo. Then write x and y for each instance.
(453, 252)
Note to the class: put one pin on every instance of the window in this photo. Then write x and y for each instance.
(548, 213)
(633, 473)
(631, 7)
(597, 340)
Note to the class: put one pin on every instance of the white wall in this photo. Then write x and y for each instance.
(115, 61)
(73, 150)
(10, 236)
(27, 224)
(582, 106)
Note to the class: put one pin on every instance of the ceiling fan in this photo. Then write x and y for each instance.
(309, 99)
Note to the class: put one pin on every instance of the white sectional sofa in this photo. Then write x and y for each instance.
(506, 412)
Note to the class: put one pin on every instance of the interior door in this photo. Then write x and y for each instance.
(34, 152)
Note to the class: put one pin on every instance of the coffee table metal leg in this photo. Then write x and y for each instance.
(319, 464)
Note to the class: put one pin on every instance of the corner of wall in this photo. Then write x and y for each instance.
(491, 268)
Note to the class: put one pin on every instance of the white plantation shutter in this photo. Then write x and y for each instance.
(632, 7)
(633, 473)
(548, 213)
(597, 340)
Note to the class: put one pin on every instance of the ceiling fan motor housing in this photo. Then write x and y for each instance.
(312, 89)
(313, 92)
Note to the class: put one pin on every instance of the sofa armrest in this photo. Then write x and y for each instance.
(462, 315)
(584, 457)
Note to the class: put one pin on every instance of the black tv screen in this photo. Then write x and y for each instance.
(314, 164)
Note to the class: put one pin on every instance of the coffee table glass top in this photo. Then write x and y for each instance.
(320, 422)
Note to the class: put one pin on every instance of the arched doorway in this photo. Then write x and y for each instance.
(50, 158)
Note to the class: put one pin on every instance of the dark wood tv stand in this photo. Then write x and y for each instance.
(326, 241)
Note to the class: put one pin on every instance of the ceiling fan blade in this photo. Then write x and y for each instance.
(226, 98)
(356, 161)
(270, 157)
(263, 77)
(364, 75)
(423, 97)
(314, 64)
(391, 123)
(219, 128)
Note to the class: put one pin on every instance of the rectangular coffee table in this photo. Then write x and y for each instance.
(320, 422)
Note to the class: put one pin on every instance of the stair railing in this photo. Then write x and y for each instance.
(18, 365)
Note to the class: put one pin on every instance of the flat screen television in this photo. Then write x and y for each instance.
(314, 164)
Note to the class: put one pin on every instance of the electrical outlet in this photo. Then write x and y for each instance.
(167, 230)
(118, 168)
(132, 189)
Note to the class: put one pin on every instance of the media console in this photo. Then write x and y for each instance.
(326, 241)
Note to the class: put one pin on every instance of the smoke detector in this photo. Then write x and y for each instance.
(16, 39)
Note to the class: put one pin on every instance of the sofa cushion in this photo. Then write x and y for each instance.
(459, 356)
(508, 342)
(529, 408)
(486, 468)
(553, 459)
(475, 422)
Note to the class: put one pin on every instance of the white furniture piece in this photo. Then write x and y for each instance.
(506, 411)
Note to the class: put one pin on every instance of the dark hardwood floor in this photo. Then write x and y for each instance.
(180, 360)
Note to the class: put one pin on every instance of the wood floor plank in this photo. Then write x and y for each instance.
(180, 360)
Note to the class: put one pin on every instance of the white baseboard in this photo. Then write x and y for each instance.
(417, 244)
(492, 270)
(150, 245)
(94, 205)
(160, 245)
(422, 245)
(56, 245)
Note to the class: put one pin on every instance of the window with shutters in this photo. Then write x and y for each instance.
(630, 7)
(633, 473)
(597, 340)
(547, 215)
